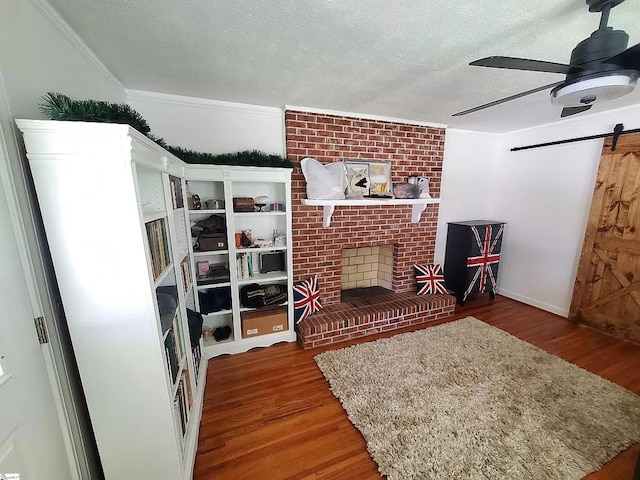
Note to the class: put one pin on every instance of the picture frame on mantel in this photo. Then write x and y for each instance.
(357, 175)
(380, 185)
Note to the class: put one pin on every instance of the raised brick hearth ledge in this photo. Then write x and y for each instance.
(361, 317)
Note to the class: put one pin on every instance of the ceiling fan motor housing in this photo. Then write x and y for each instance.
(598, 5)
(601, 45)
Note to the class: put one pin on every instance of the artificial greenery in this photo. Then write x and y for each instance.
(253, 158)
(57, 106)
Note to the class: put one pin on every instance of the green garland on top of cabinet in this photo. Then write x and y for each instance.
(57, 106)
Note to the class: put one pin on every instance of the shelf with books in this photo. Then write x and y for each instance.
(183, 400)
(175, 190)
(185, 271)
(158, 246)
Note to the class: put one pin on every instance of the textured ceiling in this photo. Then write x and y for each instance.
(398, 58)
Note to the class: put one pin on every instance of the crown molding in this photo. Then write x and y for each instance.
(171, 99)
(580, 119)
(56, 21)
(364, 116)
(473, 133)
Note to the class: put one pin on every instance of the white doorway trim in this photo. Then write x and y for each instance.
(57, 384)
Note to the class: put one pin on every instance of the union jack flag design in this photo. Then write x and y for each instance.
(430, 279)
(306, 298)
(485, 262)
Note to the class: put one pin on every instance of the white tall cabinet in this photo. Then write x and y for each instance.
(117, 229)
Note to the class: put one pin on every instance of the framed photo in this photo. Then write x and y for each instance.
(203, 268)
(357, 175)
(380, 179)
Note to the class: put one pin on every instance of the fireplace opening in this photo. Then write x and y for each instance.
(366, 272)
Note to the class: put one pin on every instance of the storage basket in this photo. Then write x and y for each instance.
(243, 204)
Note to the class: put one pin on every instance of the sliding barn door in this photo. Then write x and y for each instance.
(607, 289)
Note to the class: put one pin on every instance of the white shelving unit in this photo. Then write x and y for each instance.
(224, 183)
(119, 238)
(418, 205)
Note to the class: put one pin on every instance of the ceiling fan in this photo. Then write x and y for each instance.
(601, 68)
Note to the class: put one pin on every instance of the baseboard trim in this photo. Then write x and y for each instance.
(563, 312)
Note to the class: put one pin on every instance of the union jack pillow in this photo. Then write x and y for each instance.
(306, 298)
(430, 279)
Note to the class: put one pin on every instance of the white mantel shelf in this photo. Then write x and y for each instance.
(328, 206)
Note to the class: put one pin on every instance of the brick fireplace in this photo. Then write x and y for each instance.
(412, 150)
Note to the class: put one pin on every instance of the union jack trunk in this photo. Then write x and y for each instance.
(472, 257)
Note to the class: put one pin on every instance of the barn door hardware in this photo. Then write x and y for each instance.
(617, 131)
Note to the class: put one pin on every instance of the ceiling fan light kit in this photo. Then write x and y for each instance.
(595, 88)
(601, 68)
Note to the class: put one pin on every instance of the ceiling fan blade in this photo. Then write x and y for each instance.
(629, 59)
(567, 111)
(506, 99)
(525, 64)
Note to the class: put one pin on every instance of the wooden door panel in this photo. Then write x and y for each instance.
(607, 288)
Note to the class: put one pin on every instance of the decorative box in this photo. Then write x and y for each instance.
(243, 204)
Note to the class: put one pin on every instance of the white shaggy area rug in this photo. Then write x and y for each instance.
(467, 400)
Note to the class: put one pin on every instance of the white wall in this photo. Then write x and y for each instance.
(211, 126)
(37, 54)
(468, 173)
(543, 194)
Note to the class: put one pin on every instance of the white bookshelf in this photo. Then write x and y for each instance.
(116, 239)
(224, 183)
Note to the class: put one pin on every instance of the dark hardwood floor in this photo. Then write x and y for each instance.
(269, 414)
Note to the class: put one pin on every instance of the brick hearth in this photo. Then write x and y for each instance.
(366, 316)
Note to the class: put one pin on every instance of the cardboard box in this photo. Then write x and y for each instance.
(262, 322)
